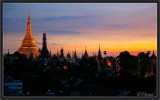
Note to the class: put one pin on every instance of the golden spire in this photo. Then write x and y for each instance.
(28, 17)
(28, 43)
(29, 29)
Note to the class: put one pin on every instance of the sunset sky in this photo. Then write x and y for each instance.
(116, 27)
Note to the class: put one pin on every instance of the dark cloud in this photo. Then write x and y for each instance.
(57, 44)
(41, 38)
(62, 32)
(62, 18)
(51, 43)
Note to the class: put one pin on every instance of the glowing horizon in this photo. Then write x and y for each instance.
(117, 27)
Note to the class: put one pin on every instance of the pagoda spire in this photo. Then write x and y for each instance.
(99, 54)
(29, 29)
(68, 55)
(62, 52)
(44, 51)
(85, 53)
(29, 43)
(28, 17)
(75, 54)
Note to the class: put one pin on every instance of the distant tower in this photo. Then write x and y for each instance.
(99, 54)
(75, 55)
(44, 51)
(29, 44)
(153, 57)
(62, 53)
(152, 68)
(68, 57)
(85, 54)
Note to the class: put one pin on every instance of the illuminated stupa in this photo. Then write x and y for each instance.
(29, 44)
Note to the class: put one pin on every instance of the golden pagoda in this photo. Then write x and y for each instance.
(29, 44)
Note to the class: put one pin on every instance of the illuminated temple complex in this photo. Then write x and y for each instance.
(29, 44)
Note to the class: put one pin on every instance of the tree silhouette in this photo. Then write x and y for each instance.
(128, 64)
(144, 62)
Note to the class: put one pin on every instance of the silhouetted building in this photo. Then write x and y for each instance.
(62, 53)
(44, 53)
(152, 69)
(86, 56)
(75, 55)
(12, 87)
(153, 56)
(61, 57)
(10, 58)
(29, 43)
(68, 57)
(99, 54)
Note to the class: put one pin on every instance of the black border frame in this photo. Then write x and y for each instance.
(79, 97)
